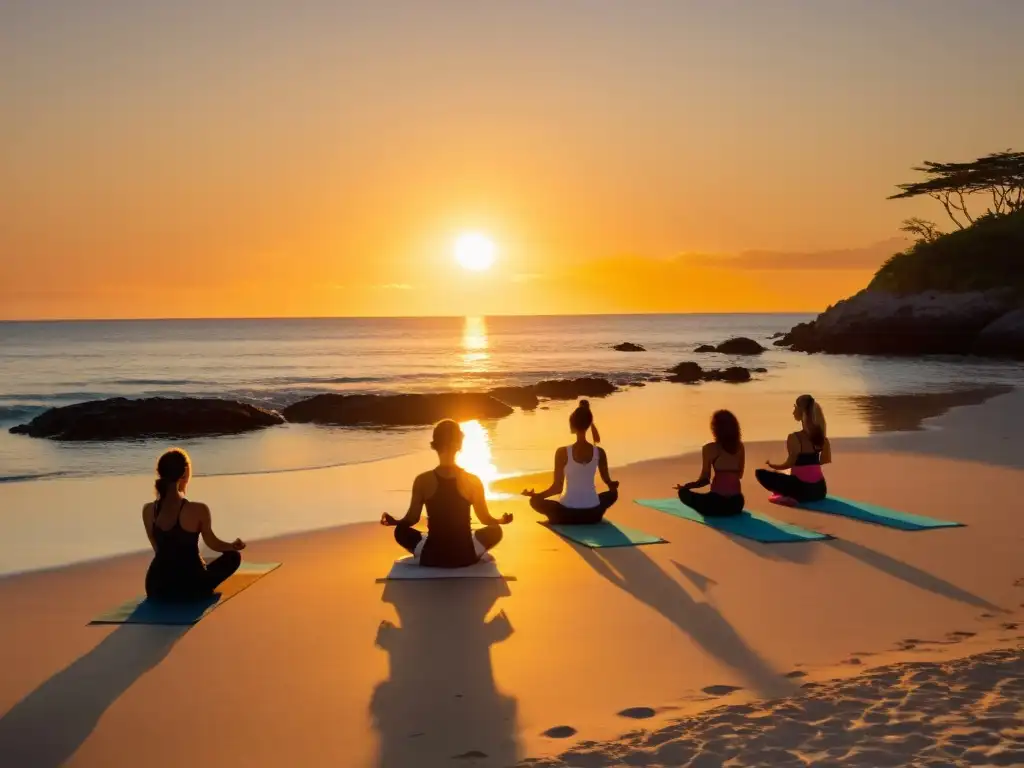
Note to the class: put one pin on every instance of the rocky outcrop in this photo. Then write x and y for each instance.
(628, 346)
(883, 323)
(691, 373)
(521, 397)
(572, 389)
(1002, 338)
(123, 419)
(740, 346)
(396, 410)
(704, 348)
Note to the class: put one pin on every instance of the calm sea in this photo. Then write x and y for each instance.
(275, 362)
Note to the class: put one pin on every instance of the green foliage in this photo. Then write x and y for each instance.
(988, 254)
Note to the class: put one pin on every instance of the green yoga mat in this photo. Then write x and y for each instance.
(872, 513)
(143, 611)
(749, 525)
(603, 534)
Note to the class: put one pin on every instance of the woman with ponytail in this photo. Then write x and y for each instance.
(174, 525)
(576, 468)
(808, 450)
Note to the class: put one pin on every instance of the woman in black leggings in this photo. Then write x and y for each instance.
(808, 449)
(174, 525)
(448, 492)
(725, 457)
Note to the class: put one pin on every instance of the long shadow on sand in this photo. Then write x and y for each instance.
(47, 727)
(440, 701)
(802, 554)
(631, 570)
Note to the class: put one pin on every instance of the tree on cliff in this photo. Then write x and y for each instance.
(999, 177)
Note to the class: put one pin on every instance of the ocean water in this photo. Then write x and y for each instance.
(273, 363)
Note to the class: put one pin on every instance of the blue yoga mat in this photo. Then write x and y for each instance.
(142, 611)
(871, 513)
(749, 525)
(604, 534)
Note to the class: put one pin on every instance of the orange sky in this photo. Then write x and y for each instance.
(274, 159)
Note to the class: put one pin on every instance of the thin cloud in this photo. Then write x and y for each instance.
(866, 258)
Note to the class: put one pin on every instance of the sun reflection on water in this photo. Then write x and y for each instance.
(475, 356)
(476, 456)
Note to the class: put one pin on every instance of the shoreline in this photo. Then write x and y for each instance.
(977, 432)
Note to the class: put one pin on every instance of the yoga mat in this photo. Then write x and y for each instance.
(603, 534)
(871, 513)
(143, 611)
(749, 525)
(408, 568)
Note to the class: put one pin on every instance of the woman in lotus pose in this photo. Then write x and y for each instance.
(808, 450)
(722, 467)
(448, 492)
(576, 468)
(174, 525)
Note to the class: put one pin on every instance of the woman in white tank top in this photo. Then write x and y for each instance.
(576, 469)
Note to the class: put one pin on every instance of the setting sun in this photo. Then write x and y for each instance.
(475, 251)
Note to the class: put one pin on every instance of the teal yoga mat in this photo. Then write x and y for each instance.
(749, 525)
(143, 611)
(872, 513)
(604, 534)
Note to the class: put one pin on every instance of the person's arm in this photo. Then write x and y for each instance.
(147, 521)
(602, 467)
(793, 446)
(479, 502)
(826, 452)
(705, 470)
(415, 511)
(561, 457)
(209, 537)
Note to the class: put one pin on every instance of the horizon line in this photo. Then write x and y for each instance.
(386, 317)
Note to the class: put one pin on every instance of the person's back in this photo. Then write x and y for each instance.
(580, 491)
(728, 471)
(449, 538)
(177, 567)
(722, 465)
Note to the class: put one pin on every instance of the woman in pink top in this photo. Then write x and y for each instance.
(808, 450)
(724, 458)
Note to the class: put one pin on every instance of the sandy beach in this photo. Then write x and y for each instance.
(693, 652)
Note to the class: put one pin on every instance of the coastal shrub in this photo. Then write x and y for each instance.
(986, 255)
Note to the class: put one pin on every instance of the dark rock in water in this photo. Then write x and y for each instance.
(628, 346)
(690, 373)
(521, 397)
(704, 348)
(638, 384)
(396, 410)
(759, 370)
(123, 419)
(1002, 338)
(734, 374)
(778, 335)
(571, 389)
(740, 346)
(882, 323)
(686, 373)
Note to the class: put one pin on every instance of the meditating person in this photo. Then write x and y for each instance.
(808, 450)
(448, 492)
(174, 525)
(722, 466)
(576, 468)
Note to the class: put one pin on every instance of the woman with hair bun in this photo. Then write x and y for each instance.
(576, 469)
(448, 492)
(725, 457)
(174, 525)
(808, 450)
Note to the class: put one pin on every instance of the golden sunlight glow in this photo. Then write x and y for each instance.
(475, 251)
(474, 345)
(475, 455)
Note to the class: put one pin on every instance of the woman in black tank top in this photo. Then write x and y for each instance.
(448, 492)
(799, 478)
(177, 571)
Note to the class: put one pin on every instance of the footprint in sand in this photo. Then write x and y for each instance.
(637, 713)
(1009, 626)
(855, 661)
(961, 635)
(560, 732)
(473, 754)
(720, 690)
(795, 674)
(987, 616)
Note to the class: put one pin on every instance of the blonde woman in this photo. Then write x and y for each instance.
(808, 450)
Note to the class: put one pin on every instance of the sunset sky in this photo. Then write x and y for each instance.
(257, 158)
